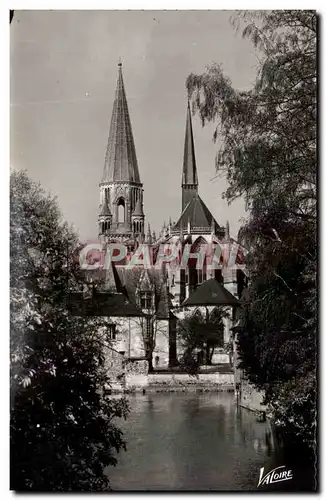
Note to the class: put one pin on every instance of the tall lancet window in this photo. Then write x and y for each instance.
(121, 210)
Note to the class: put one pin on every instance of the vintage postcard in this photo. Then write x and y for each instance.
(163, 251)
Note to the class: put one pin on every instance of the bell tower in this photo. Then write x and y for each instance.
(121, 216)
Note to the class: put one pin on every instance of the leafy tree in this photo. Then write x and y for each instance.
(200, 332)
(63, 430)
(268, 154)
(152, 323)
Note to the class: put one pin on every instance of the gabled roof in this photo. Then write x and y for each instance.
(120, 160)
(189, 172)
(102, 304)
(199, 216)
(211, 293)
(130, 279)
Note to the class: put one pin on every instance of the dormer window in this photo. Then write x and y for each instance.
(145, 299)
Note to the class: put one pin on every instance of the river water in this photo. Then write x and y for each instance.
(193, 441)
(187, 441)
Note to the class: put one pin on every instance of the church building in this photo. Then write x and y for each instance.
(158, 296)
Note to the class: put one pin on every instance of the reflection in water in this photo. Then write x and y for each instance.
(201, 442)
(189, 442)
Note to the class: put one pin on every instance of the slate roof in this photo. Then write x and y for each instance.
(130, 279)
(199, 216)
(120, 160)
(102, 304)
(211, 293)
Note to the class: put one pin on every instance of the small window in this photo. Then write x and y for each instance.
(121, 210)
(145, 299)
(112, 331)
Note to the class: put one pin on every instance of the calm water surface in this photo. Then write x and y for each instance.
(194, 441)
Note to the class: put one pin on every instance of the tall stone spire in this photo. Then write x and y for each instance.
(120, 160)
(121, 214)
(189, 172)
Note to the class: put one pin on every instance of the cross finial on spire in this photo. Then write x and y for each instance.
(119, 63)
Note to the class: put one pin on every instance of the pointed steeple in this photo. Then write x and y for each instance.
(189, 172)
(149, 235)
(120, 160)
(170, 226)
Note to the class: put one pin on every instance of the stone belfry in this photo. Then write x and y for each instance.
(121, 216)
(189, 172)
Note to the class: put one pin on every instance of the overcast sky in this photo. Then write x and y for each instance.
(63, 78)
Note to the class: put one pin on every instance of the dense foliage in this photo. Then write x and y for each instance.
(200, 332)
(62, 434)
(269, 155)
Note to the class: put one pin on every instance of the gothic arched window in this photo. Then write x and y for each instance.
(121, 210)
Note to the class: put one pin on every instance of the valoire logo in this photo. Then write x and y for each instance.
(275, 476)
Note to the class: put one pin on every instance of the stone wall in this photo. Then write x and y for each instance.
(247, 395)
(124, 374)
(251, 398)
(133, 376)
(211, 381)
(129, 339)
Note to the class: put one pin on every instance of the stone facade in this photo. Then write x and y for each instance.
(157, 294)
(128, 339)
